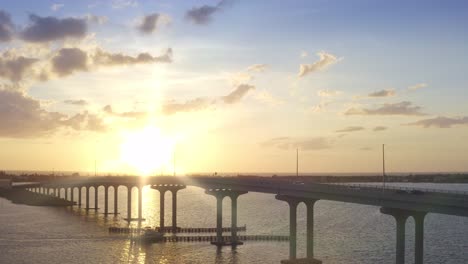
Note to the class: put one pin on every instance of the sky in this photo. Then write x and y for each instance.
(149, 87)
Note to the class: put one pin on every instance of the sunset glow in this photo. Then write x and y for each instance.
(147, 151)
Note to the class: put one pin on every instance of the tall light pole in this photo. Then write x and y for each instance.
(383, 165)
(297, 162)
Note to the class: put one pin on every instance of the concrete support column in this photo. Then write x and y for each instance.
(162, 188)
(72, 193)
(419, 237)
(310, 228)
(87, 197)
(161, 207)
(219, 194)
(66, 193)
(219, 218)
(96, 198)
(140, 203)
(56, 193)
(129, 203)
(234, 217)
(116, 200)
(400, 216)
(79, 195)
(106, 200)
(174, 210)
(292, 202)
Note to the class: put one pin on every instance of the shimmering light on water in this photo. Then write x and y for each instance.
(345, 233)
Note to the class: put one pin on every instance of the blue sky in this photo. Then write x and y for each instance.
(233, 85)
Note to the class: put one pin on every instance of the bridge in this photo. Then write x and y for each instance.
(400, 203)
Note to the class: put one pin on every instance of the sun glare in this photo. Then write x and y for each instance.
(147, 151)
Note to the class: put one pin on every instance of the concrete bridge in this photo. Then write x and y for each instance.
(401, 203)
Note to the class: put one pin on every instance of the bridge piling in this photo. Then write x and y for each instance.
(163, 188)
(419, 237)
(219, 194)
(116, 193)
(87, 197)
(310, 228)
(80, 188)
(106, 200)
(400, 216)
(96, 198)
(140, 203)
(129, 203)
(292, 202)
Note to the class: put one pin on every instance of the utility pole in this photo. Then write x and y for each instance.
(297, 162)
(383, 165)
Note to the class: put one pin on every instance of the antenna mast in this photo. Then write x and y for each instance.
(297, 162)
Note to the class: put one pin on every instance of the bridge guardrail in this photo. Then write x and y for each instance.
(376, 187)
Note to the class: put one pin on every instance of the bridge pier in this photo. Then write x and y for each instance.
(96, 198)
(80, 188)
(419, 237)
(66, 193)
(401, 216)
(293, 202)
(106, 200)
(163, 188)
(129, 203)
(87, 197)
(219, 194)
(72, 194)
(116, 193)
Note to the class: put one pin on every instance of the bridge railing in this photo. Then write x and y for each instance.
(403, 188)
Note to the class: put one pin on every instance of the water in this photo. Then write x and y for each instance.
(344, 233)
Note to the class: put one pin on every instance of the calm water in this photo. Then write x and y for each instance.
(344, 233)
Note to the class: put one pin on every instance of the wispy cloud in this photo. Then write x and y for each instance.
(350, 129)
(383, 93)
(402, 108)
(56, 7)
(237, 94)
(119, 4)
(45, 29)
(131, 114)
(441, 122)
(150, 23)
(325, 60)
(379, 128)
(328, 93)
(196, 104)
(247, 74)
(79, 102)
(70, 60)
(6, 27)
(202, 15)
(96, 19)
(417, 86)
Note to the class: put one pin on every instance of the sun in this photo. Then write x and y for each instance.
(147, 151)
